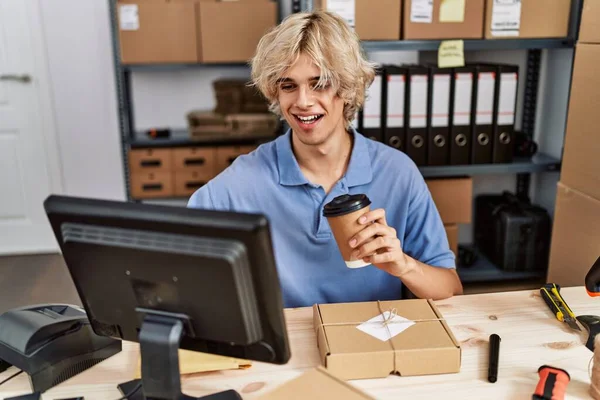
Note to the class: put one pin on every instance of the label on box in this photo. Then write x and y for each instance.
(421, 11)
(508, 95)
(506, 17)
(129, 19)
(418, 101)
(485, 98)
(372, 110)
(395, 101)
(441, 100)
(345, 9)
(385, 326)
(463, 88)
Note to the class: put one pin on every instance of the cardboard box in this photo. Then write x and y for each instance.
(373, 20)
(581, 159)
(452, 234)
(434, 22)
(231, 30)
(589, 29)
(157, 31)
(150, 160)
(538, 19)
(151, 185)
(427, 347)
(316, 384)
(453, 198)
(575, 237)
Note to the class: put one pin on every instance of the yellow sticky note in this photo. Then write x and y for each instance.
(452, 11)
(451, 53)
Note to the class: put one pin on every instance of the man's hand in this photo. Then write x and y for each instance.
(379, 245)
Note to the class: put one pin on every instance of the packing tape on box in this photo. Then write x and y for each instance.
(387, 321)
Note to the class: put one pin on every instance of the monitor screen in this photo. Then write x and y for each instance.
(214, 269)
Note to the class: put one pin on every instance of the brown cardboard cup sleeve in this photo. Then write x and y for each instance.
(342, 214)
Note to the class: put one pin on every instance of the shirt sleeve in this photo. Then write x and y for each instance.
(202, 198)
(425, 237)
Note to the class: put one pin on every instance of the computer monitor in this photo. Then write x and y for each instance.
(173, 277)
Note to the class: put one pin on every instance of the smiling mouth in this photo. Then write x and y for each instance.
(309, 119)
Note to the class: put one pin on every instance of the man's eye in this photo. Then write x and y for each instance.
(322, 86)
(287, 87)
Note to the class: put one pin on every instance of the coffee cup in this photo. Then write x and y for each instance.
(343, 213)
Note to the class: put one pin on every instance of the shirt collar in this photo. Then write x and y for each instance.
(359, 170)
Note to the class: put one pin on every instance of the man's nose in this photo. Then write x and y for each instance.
(305, 97)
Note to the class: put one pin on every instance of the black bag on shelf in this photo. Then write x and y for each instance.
(514, 234)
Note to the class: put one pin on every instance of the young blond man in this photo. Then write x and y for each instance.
(314, 74)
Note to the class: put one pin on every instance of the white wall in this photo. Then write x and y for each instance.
(79, 51)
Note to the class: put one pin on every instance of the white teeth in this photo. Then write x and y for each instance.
(308, 119)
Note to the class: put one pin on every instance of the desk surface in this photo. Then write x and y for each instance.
(531, 337)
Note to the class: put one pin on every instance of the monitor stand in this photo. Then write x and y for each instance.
(159, 344)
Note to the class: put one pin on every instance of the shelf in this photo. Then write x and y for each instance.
(484, 271)
(179, 66)
(390, 45)
(180, 138)
(470, 44)
(538, 163)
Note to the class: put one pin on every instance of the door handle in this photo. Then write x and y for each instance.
(17, 78)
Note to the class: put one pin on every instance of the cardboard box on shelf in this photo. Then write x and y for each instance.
(374, 339)
(150, 160)
(575, 237)
(442, 19)
(316, 384)
(372, 20)
(151, 185)
(581, 163)
(527, 19)
(227, 34)
(452, 234)
(453, 198)
(157, 31)
(589, 30)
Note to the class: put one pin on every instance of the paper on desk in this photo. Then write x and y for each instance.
(376, 327)
(452, 11)
(191, 362)
(451, 53)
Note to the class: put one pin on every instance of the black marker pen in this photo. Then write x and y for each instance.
(494, 354)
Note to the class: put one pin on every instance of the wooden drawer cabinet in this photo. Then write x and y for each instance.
(151, 185)
(145, 160)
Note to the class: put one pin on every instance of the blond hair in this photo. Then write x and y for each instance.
(333, 46)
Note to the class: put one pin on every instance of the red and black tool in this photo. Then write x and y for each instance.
(592, 280)
(552, 384)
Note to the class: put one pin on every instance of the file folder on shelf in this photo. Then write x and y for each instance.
(416, 110)
(438, 127)
(483, 110)
(394, 95)
(461, 95)
(371, 114)
(504, 117)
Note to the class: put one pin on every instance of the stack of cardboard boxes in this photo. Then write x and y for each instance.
(449, 19)
(192, 31)
(576, 232)
(178, 172)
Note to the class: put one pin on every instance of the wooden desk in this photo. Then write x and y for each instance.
(531, 336)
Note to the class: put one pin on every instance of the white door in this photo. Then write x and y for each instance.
(29, 162)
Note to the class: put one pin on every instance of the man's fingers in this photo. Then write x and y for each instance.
(377, 215)
(369, 232)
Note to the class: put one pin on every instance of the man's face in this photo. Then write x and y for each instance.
(314, 113)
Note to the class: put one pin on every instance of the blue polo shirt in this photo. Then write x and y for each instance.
(310, 266)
